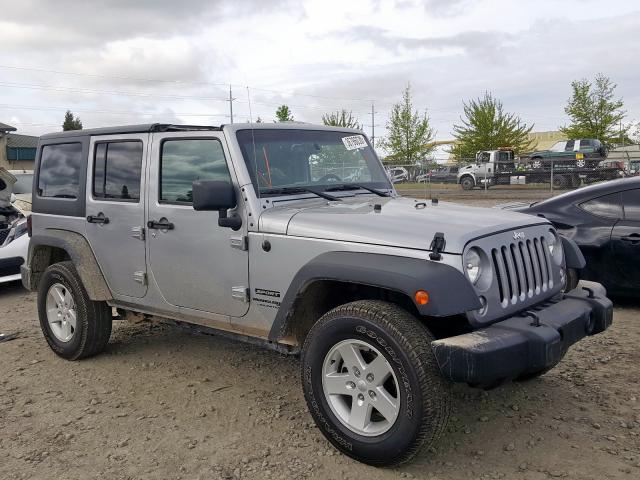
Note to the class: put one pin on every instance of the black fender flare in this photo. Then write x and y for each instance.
(573, 257)
(450, 292)
(81, 255)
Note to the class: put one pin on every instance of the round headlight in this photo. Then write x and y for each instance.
(554, 244)
(472, 264)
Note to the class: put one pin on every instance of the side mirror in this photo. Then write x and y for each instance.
(213, 195)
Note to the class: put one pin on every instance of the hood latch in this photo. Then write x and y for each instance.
(437, 245)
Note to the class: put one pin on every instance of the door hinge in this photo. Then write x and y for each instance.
(137, 232)
(241, 242)
(140, 277)
(240, 293)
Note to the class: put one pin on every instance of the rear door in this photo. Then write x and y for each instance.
(196, 263)
(625, 242)
(115, 210)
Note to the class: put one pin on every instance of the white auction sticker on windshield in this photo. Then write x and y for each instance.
(354, 142)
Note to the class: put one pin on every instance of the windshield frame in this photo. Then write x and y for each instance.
(371, 159)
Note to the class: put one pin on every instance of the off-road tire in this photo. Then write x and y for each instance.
(467, 183)
(406, 344)
(93, 319)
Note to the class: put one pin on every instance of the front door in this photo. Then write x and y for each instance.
(193, 260)
(625, 243)
(115, 210)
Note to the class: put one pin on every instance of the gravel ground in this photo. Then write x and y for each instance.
(163, 404)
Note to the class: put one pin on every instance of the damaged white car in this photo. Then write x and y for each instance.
(15, 207)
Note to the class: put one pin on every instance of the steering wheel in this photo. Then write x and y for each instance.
(330, 177)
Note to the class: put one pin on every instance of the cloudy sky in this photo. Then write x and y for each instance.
(159, 60)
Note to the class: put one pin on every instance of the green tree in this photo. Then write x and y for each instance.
(594, 112)
(409, 134)
(486, 126)
(71, 122)
(283, 114)
(341, 118)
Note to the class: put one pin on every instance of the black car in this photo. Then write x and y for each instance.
(604, 220)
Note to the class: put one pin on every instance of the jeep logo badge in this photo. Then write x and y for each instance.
(518, 235)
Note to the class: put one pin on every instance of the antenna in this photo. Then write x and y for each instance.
(231, 99)
(253, 141)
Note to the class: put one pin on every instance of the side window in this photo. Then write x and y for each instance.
(631, 202)
(59, 174)
(586, 144)
(116, 171)
(183, 161)
(569, 146)
(608, 206)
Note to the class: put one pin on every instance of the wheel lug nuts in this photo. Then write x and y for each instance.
(370, 377)
(356, 372)
(360, 397)
(372, 394)
(351, 385)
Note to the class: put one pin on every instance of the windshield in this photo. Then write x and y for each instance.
(320, 159)
(559, 146)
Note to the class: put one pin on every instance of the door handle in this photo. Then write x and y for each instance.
(634, 237)
(163, 224)
(100, 218)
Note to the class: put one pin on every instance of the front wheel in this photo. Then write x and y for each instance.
(372, 383)
(467, 183)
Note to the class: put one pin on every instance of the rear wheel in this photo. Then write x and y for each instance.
(74, 326)
(372, 383)
(560, 181)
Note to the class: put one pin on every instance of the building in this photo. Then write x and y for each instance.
(545, 140)
(17, 152)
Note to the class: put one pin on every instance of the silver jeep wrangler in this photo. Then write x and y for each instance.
(293, 237)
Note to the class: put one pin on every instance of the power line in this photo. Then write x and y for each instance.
(57, 88)
(184, 82)
(106, 92)
(108, 112)
(95, 75)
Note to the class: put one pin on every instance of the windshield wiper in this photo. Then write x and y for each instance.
(356, 186)
(287, 190)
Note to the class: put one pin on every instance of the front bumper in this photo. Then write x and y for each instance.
(10, 269)
(529, 342)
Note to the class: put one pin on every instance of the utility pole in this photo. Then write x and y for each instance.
(373, 125)
(231, 99)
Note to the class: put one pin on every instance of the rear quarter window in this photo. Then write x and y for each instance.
(59, 173)
(607, 206)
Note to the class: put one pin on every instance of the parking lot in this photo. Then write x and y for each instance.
(163, 403)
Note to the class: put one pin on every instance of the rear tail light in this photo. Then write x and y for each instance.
(29, 227)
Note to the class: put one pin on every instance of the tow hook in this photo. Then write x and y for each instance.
(536, 319)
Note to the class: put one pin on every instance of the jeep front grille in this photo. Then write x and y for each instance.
(523, 270)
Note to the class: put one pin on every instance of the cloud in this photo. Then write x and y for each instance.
(314, 55)
(486, 44)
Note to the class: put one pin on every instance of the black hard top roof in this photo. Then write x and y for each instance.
(144, 128)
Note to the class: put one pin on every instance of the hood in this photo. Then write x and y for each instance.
(400, 222)
(6, 187)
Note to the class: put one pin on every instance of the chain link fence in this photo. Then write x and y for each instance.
(497, 175)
